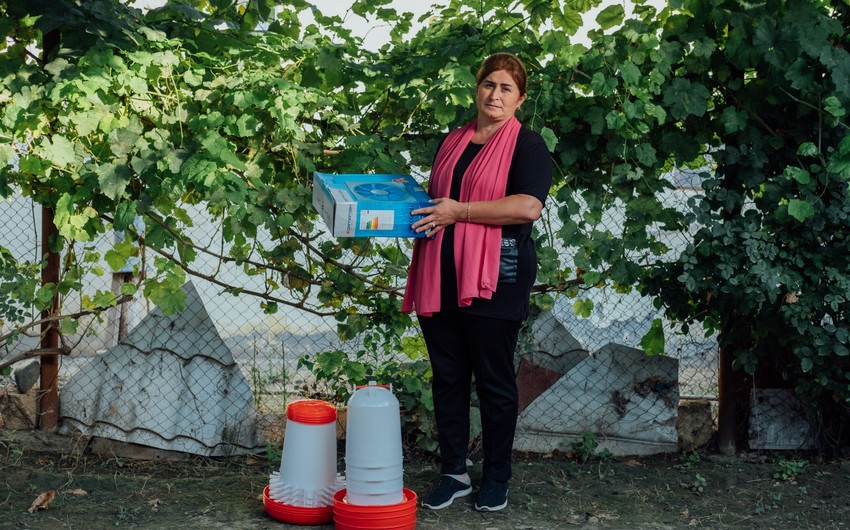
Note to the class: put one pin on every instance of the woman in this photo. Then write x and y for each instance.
(471, 279)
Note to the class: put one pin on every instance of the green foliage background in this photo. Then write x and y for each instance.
(144, 114)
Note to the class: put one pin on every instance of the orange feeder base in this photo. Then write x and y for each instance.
(297, 514)
(401, 516)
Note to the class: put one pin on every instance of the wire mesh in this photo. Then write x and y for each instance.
(209, 381)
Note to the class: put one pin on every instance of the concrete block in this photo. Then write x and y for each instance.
(625, 397)
(781, 420)
(551, 346)
(26, 376)
(173, 384)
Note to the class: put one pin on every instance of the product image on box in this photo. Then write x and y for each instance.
(379, 191)
(360, 205)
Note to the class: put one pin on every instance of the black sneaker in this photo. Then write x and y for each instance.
(492, 496)
(446, 491)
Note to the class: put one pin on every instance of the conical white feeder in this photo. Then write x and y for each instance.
(373, 454)
(307, 476)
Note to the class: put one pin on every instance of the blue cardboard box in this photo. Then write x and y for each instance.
(368, 205)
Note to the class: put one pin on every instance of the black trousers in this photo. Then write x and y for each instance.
(461, 345)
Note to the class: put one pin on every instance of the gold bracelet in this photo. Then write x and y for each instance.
(468, 206)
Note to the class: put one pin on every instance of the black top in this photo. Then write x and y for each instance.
(530, 174)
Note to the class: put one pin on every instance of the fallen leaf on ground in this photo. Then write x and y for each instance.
(635, 463)
(41, 502)
(78, 492)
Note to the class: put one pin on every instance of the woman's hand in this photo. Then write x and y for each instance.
(509, 210)
(445, 212)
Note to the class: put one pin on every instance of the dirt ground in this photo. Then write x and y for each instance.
(692, 490)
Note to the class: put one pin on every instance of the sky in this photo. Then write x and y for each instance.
(375, 37)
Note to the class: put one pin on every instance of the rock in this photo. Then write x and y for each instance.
(272, 426)
(27, 376)
(694, 424)
(18, 411)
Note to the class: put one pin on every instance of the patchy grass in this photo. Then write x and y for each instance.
(547, 492)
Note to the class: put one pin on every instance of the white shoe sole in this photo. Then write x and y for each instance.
(491, 508)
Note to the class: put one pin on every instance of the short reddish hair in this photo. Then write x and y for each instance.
(507, 62)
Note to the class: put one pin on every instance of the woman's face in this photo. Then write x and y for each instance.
(497, 96)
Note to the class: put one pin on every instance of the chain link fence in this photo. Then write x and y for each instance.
(213, 379)
(20, 233)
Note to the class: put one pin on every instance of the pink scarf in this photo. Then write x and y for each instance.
(476, 246)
